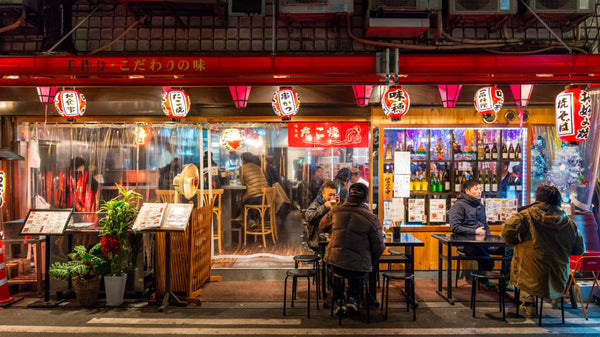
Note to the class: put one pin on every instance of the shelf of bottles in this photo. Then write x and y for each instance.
(443, 159)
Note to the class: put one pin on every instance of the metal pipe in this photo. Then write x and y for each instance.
(71, 31)
(548, 28)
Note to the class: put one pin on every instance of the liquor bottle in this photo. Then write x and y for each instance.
(504, 151)
(486, 184)
(440, 185)
(397, 146)
(481, 182)
(412, 182)
(494, 183)
(424, 183)
(457, 181)
(511, 152)
(518, 154)
(433, 183)
(417, 184)
(388, 152)
(518, 183)
(486, 153)
(480, 152)
(446, 179)
(494, 151)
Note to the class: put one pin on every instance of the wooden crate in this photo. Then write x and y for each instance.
(190, 255)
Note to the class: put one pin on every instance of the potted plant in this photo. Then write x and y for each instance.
(84, 269)
(120, 213)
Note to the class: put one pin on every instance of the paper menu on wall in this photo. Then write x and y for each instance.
(401, 186)
(416, 210)
(394, 210)
(500, 209)
(46, 221)
(437, 210)
(163, 216)
(401, 162)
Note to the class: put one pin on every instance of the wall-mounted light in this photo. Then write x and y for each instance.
(449, 94)
(362, 93)
(240, 96)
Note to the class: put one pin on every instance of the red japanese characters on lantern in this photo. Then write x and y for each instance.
(573, 112)
(231, 139)
(2, 188)
(285, 103)
(175, 103)
(142, 136)
(70, 104)
(395, 103)
(489, 100)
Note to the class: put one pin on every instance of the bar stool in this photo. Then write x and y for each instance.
(295, 274)
(363, 293)
(308, 259)
(266, 226)
(490, 275)
(216, 202)
(540, 301)
(409, 287)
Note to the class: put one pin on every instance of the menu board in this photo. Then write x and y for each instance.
(437, 210)
(500, 209)
(416, 210)
(46, 221)
(163, 216)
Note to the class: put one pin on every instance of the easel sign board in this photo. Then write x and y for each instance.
(163, 217)
(46, 221)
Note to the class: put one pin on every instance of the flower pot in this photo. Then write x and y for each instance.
(114, 287)
(86, 290)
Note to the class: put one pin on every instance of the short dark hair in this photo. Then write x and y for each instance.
(343, 174)
(359, 191)
(329, 184)
(470, 183)
(77, 162)
(548, 194)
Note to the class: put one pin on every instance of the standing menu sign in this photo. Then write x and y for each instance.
(163, 216)
(46, 221)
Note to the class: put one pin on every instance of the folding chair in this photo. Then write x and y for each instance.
(589, 262)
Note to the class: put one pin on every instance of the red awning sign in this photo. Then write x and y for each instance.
(328, 135)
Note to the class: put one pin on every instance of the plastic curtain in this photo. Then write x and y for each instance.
(589, 152)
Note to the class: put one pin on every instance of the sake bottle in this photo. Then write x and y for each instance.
(440, 185)
(457, 181)
(424, 184)
(417, 184)
(494, 151)
(486, 184)
(446, 179)
(504, 151)
(412, 182)
(494, 183)
(480, 150)
(511, 152)
(518, 154)
(486, 151)
(388, 152)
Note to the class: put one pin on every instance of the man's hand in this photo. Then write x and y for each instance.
(480, 231)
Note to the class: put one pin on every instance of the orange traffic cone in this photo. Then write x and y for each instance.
(5, 299)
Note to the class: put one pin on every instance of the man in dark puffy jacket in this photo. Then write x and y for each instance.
(356, 242)
(317, 210)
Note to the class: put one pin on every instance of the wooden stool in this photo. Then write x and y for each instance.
(490, 275)
(266, 205)
(295, 274)
(216, 202)
(409, 288)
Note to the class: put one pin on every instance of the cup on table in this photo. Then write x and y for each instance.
(333, 202)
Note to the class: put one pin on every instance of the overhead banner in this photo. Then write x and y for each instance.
(328, 134)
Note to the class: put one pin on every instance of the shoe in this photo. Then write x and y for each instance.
(555, 303)
(340, 308)
(489, 285)
(528, 310)
(352, 304)
(510, 286)
(252, 225)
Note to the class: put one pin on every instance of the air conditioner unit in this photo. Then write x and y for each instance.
(563, 6)
(405, 5)
(314, 9)
(482, 7)
(246, 7)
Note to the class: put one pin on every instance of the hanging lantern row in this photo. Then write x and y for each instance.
(285, 103)
(175, 103)
(395, 103)
(573, 112)
(70, 104)
(231, 139)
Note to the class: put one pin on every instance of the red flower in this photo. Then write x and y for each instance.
(110, 244)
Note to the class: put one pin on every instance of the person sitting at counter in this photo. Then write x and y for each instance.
(341, 180)
(251, 176)
(317, 210)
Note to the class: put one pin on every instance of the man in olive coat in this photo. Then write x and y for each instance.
(544, 237)
(356, 241)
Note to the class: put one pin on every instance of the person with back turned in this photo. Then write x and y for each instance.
(544, 238)
(356, 243)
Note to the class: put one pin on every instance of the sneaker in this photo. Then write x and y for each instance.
(340, 308)
(352, 304)
(528, 310)
(510, 286)
(489, 285)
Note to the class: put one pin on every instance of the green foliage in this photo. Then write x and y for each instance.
(121, 212)
(82, 263)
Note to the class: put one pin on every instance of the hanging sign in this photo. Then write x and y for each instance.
(395, 103)
(489, 100)
(231, 139)
(573, 111)
(175, 103)
(285, 103)
(328, 135)
(142, 136)
(2, 188)
(70, 104)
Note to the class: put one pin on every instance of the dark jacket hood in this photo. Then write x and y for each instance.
(469, 199)
(549, 216)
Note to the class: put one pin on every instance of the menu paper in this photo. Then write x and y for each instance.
(394, 210)
(437, 210)
(401, 186)
(177, 216)
(402, 162)
(416, 210)
(46, 222)
(500, 209)
(163, 216)
(149, 216)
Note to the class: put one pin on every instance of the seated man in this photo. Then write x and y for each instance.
(544, 237)
(317, 210)
(356, 241)
(467, 216)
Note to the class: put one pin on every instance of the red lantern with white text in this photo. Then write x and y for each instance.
(573, 113)
(70, 104)
(489, 100)
(231, 139)
(395, 103)
(285, 103)
(175, 103)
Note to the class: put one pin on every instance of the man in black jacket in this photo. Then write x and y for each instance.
(317, 210)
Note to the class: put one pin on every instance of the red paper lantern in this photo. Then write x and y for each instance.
(231, 139)
(489, 100)
(395, 103)
(573, 110)
(70, 104)
(175, 103)
(285, 103)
